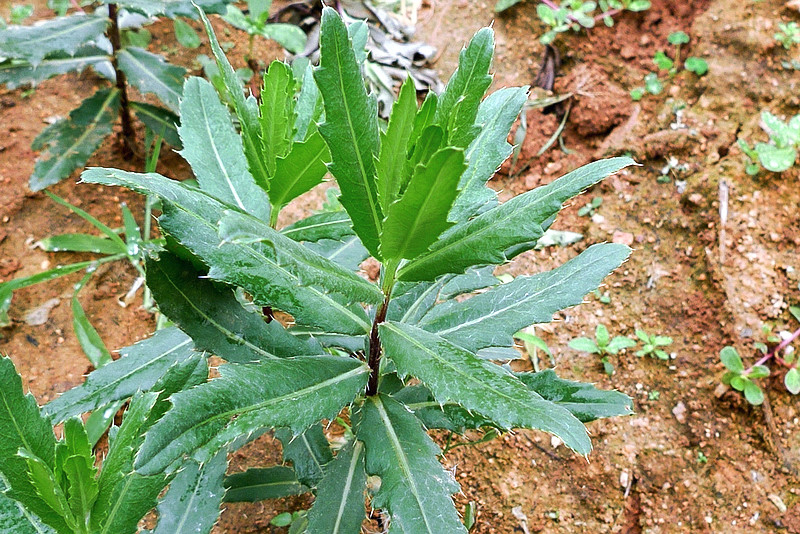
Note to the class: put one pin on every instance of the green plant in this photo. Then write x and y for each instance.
(652, 345)
(576, 14)
(19, 12)
(744, 379)
(788, 34)
(652, 83)
(389, 360)
(255, 22)
(602, 345)
(588, 209)
(780, 153)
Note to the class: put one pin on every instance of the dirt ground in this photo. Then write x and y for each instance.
(694, 457)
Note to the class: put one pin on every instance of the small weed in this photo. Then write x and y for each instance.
(589, 208)
(788, 34)
(602, 345)
(702, 458)
(654, 395)
(604, 298)
(20, 12)
(780, 153)
(652, 345)
(652, 83)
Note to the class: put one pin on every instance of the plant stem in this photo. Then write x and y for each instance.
(375, 349)
(128, 138)
(774, 352)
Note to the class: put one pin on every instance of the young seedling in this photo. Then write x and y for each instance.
(602, 345)
(652, 83)
(255, 23)
(393, 358)
(788, 34)
(780, 153)
(19, 12)
(590, 207)
(652, 345)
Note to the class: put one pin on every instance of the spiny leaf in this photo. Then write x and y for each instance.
(291, 392)
(214, 150)
(192, 503)
(17, 72)
(74, 456)
(348, 253)
(70, 142)
(308, 106)
(487, 152)
(394, 144)
(62, 34)
(456, 375)
(161, 121)
(299, 171)
(412, 300)
(24, 429)
(150, 73)
(490, 319)
(415, 489)
(276, 114)
(138, 368)
(432, 414)
(172, 8)
(14, 519)
(334, 225)
(415, 221)
(260, 484)
(309, 452)
(458, 104)
(584, 401)
(350, 128)
(516, 223)
(339, 505)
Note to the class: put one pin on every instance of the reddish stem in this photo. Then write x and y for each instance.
(774, 352)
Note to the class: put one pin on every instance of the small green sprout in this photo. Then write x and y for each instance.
(702, 458)
(652, 84)
(654, 395)
(780, 153)
(788, 34)
(742, 379)
(602, 345)
(20, 12)
(604, 298)
(652, 345)
(696, 64)
(589, 208)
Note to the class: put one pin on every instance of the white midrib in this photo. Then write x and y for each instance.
(219, 159)
(350, 474)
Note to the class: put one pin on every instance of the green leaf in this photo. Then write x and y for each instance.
(185, 34)
(17, 72)
(619, 343)
(458, 103)
(584, 401)
(80, 243)
(415, 221)
(48, 489)
(291, 392)
(484, 239)
(584, 344)
(213, 317)
(299, 171)
(697, 65)
(678, 38)
(214, 150)
(601, 335)
(792, 381)
(490, 319)
(350, 129)
(68, 143)
(411, 301)
(138, 368)
(260, 484)
(490, 148)
(161, 121)
(14, 519)
(246, 109)
(309, 452)
(432, 414)
(62, 34)
(307, 106)
(289, 36)
(74, 456)
(394, 145)
(339, 505)
(24, 429)
(471, 280)
(90, 341)
(415, 488)
(150, 73)
(776, 159)
(192, 503)
(171, 8)
(277, 115)
(333, 225)
(753, 393)
(662, 61)
(456, 375)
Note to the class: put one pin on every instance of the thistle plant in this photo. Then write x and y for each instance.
(389, 360)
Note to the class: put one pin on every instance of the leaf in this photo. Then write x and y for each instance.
(161, 121)
(619, 343)
(350, 129)
(24, 429)
(753, 393)
(394, 144)
(332, 225)
(415, 221)
(291, 392)
(348, 253)
(214, 150)
(171, 8)
(307, 106)
(584, 344)
(792, 381)
(299, 171)
(432, 414)
(185, 34)
(80, 243)
(191, 217)
(776, 159)
(411, 301)
(456, 375)
(458, 103)
(415, 488)
(90, 341)
(16, 72)
(502, 5)
(14, 519)
(246, 109)
(277, 115)
(260, 484)
(192, 502)
(487, 152)
(491, 318)
(74, 456)
(289, 36)
(471, 280)
(138, 369)
(213, 317)
(150, 73)
(339, 505)
(309, 452)
(584, 401)
(62, 34)
(484, 239)
(48, 489)
(68, 143)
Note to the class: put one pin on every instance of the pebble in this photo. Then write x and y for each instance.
(679, 411)
(623, 238)
(39, 315)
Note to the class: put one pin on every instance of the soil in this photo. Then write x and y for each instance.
(715, 258)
